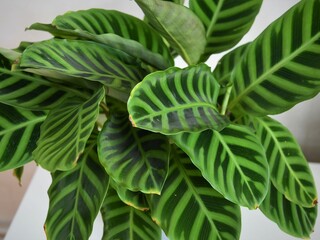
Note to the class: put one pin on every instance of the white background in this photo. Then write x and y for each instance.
(16, 15)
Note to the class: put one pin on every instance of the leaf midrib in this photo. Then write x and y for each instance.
(214, 19)
(273, 69)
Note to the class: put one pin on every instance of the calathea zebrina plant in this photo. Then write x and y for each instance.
(152, 146)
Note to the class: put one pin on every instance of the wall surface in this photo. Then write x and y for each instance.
(16, 15)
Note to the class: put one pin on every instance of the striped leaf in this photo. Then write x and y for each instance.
(134, 158)
(227, 64)
(291, 218)
(232, 161)
(31, 91)
(101, 21)
(177, 100)
(179, 26)
(225, 21)
(124, 222)
(290, 172)
(134, 199)
(193, 209)
(75, 198)
(65, 132)
(81, 59)
(282, 66)
(19, 131)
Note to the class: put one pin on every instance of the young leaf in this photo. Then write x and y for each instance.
(177, 100)
(189, 208)
(282, 66)
(178, 25)
(76, 197)
(31, 91)
(81, 59)
(291, 218)
(124, 222)
(19, 131)
(232, 161)
(225, 21)
(290, 172)
(134, 158)
(65, 132)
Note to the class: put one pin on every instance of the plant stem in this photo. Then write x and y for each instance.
(226, 99)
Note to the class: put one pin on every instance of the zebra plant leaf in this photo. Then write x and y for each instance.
(282, 66)
(232, 161)
(291, 218)
(19, 132)
(289, 170)
(76, 197)
(65, 132)
(31, 91)
(101, 21)
(134, 158)
(225, 21)
(177, 100)
(178, 29)
(136, 200)
(81, 59)
(124, 222)
(193, 209)
(227, 64)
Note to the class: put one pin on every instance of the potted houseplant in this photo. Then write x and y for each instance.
(151, 146)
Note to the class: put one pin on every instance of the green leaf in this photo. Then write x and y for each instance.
(290, 172)
(124, 222)
(177, 100)
(81, 59)
(19, 131)
(31, 91)
(134, 158)
(232, 161)
(65, 132)
(18, 172)
(227, 64)
(10, 54)
(178, 25)
(225, 21)
(76, 197)
(282, 66)
(193, 209)
(291, 218)
(136, 200)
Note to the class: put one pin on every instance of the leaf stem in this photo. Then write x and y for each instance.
(226, 99)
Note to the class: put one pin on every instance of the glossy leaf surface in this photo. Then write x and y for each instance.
(124, 222)
(75, 198)
(282, 66)
(291, 218)
(134, 158)
(19, 132)
(232, 161)
(65, 132)
(177, 100)
(225, 21)
(290, 172)
(178, 25)
(189, 208)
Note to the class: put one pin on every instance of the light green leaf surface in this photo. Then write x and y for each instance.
(19, 132)
(189, 208)
(134, 158)
(75, 198)
(225, 21)
(124, 222)
(290, 172)
(232, 161)
(177, 100)
(65, 132)
(291, 218)
(282, 66)
(178, 25)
